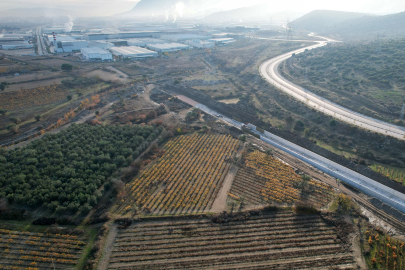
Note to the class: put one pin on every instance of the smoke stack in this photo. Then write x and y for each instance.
(54, 37)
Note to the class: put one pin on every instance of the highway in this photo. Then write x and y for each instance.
(40, 43)
(269, 71)
(364, 184)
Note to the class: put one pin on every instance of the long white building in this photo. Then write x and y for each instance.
(167, 47)
(133, 52)
(95, 53)
(201, 44)
(142, 42)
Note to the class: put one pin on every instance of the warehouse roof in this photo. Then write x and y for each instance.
(130, 50)
(184, 36)
(145, 40)
(94, 50)
(164, 46)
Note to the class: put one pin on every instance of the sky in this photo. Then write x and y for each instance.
(110, 7)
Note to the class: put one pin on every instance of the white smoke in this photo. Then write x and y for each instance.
(68, 26)
(174, 18)
(180, 8)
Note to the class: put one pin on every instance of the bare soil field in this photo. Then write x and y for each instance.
(107, 76)
(34, 84)
(255, 240)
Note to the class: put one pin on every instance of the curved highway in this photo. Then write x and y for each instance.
(269, 71)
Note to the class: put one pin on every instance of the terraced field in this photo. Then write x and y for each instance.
(265, 179)
(34, 251)
(185, 179)
(281, 240)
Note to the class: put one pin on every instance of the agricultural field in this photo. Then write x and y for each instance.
(264, 179)
(34, 97)
(395, 174)
(34, 250)
(382, 251)
(255, 240)
(66, 172)
(185, 179)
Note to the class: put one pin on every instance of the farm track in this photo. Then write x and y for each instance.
(304, 167)
(271, 241)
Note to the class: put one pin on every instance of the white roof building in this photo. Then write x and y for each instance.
(196, 43)
(101, 44)
(222, 41)
(142, 42)
(17, 45)
(70, 46)
(95, 53)
(167, 47)
(183, 37)
(133, 52)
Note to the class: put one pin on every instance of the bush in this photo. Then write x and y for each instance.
(299, 126)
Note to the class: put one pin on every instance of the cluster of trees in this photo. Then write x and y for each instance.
(66, 171)
(194, 114)
(81, 81)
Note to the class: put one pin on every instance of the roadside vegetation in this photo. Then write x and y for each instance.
(367, 77)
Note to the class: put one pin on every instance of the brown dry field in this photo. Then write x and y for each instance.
(107, 76)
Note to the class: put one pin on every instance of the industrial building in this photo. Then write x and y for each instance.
(133, 52)
(95, 53)
(183, 37)
(101, 44)
(222, 41)
(60, 38)
(167, 47)
(142, 42)
(201, 44)
(56, 30)
(16, 45)
(70, 46)
(118, 35)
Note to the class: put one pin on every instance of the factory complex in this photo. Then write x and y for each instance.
(132, 52)
(95, 53)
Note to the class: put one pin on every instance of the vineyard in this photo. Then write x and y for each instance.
(185, 179)
(280, 240)
(28, 250)
(265, 179)
(381, 251)
(22, 99)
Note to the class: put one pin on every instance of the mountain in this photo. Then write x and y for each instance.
(322, 20)
(367, 27)
(172, 8)
(257, 13)
(36, 12)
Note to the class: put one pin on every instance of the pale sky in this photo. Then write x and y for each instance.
(110, 7)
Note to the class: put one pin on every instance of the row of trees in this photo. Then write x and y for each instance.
(65, 171)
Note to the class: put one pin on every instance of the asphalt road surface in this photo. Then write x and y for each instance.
(40, 42)
(269, 71)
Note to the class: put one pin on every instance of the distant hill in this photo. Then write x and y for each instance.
(257, 12)
(149, 8)
(36, 12)
(367, 27)
(322, 20)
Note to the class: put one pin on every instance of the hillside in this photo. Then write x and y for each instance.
(323, 20)
(257, 12)
(367, 27)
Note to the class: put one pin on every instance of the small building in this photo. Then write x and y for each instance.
(95, 53)
(167, 47)
(142, 42)
(133, 52)
(222, 41)
(201, 44)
